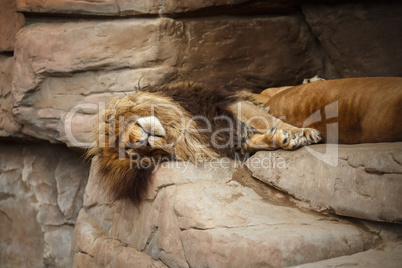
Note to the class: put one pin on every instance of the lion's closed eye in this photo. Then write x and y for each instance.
(131, 135)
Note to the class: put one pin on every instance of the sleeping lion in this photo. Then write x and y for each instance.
(196, 122)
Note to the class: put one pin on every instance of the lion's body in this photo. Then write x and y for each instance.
(364, 109)
(196, 122)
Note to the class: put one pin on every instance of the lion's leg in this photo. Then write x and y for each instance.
(272, 133)
(269, 92)
(261, 98)
(265, 95)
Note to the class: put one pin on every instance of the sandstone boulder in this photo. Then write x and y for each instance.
(362, 181)
(209, 216)
(64, 72)
(41, 189)
(362, 39)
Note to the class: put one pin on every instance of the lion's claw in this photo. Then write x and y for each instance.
(291, 140)
(314, 136)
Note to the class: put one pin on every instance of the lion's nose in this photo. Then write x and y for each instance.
(144, 143)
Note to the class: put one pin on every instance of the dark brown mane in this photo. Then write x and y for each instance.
(210, 101)
(133, 186)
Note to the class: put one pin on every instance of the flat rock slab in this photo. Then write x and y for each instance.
(202, 216)
(388, 255)
(133, 7)
(362, 181)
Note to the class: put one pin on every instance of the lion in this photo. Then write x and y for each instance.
(197, 122)
(185, 122)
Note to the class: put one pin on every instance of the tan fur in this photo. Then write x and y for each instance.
(284, 135)
(270, 92)
(367, 109)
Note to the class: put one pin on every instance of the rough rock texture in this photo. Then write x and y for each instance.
(181, 6)
(204, 217)
(362, 181)
(388, 255)
(8, 127)
(102, 7)
(362, 39)
(10, 23)
(61, 65)
(94, 248)
(41, 189)
(135, 7)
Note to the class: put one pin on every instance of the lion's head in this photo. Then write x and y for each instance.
(129, 139)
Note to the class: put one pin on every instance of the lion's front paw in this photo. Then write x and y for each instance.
(293, 139)
(310, 136)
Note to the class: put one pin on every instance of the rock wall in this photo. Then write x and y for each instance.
(41, 194)
(8, 126)
(361, 39)
(61, 60)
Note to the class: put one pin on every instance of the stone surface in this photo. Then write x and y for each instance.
(203, 216)
(362, 39)
(388, 255)
(362, 181)
(182, 6)
(62, 65)
(284, 54)
(96, 249)
(10, 22)
(136, 7)
(119, 7)
(8, 127)
(102, 7)
(41, 189)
